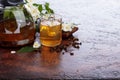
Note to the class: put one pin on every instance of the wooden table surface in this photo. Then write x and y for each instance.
(91, 61)
(39, 64)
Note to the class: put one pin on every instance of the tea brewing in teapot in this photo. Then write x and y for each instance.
(16, 25)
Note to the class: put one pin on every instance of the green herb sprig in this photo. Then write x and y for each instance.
(44, 8)
(8, 12)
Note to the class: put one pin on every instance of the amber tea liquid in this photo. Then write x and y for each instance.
(50, 33)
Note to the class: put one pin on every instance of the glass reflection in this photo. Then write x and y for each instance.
(49, 58)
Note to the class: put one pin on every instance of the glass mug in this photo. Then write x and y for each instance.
(51, 30)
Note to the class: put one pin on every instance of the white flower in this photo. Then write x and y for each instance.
(36, 44)
(67, 26)
(33, 10)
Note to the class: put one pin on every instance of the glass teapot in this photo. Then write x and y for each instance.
(16, 25)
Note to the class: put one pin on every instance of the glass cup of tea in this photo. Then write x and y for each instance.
(51, 30)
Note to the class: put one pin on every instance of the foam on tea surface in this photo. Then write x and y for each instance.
(50, 23)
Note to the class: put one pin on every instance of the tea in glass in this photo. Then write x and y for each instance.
(50, 31)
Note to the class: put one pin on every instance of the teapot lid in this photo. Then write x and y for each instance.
(15, 2)
(11, 2)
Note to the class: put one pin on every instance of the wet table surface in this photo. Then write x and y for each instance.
(98, 56)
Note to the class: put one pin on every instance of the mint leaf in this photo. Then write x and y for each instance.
(47, 5)
(26, 49)
(35, 4)
(48, 9)
(51, 11)
(40, 8)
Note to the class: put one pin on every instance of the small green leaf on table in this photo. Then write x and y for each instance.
(26, 49)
